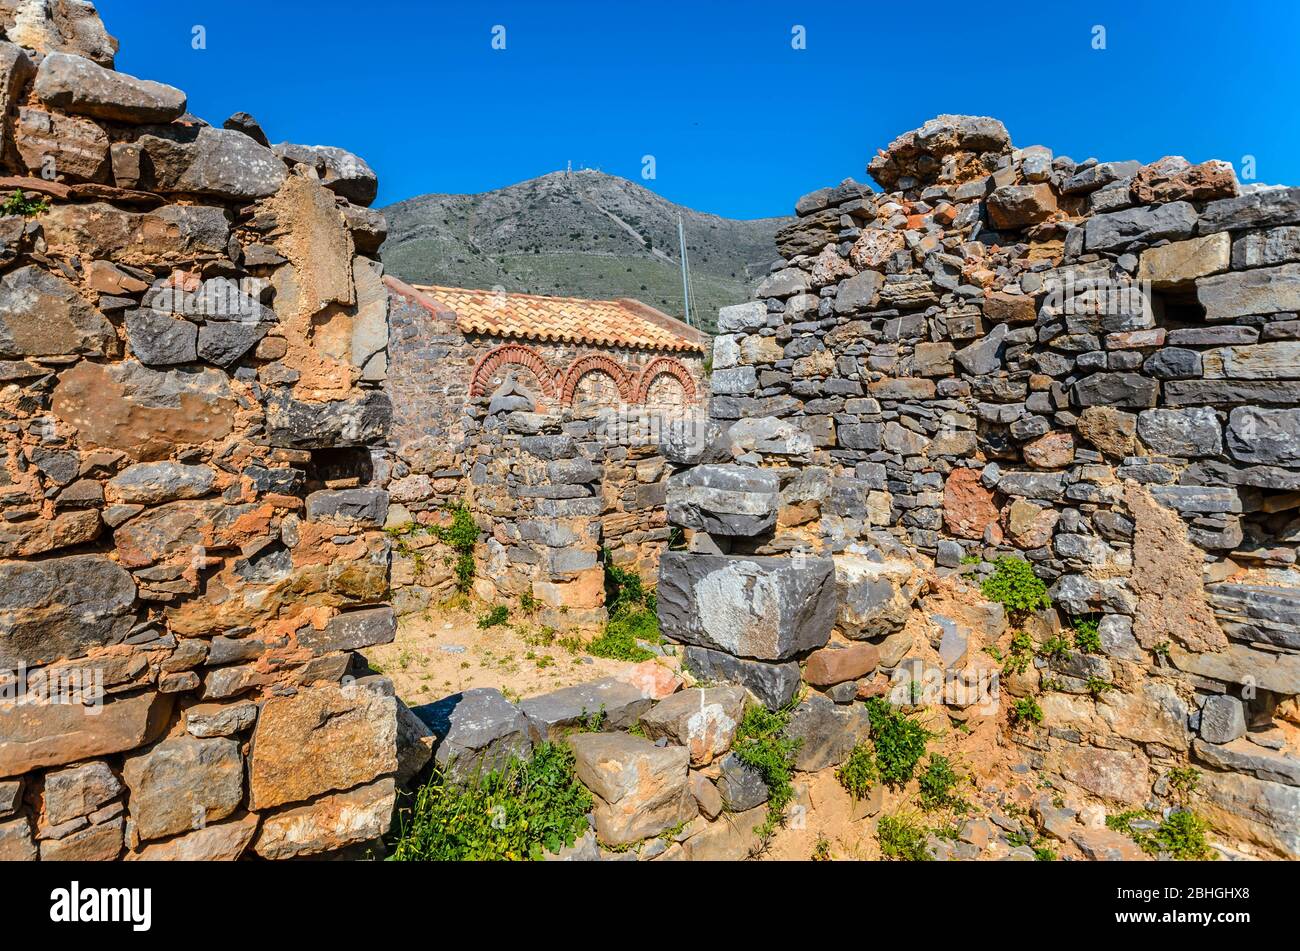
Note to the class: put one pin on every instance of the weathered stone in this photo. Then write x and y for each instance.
(324, 738)
(642, 789)
(1261, 209)
(1146, 225)
(220, 719)
(875, 594)
(1255, 810)
(1268, 436)
(328, 823)
(759, 607)
(477, 731)
(611, 703)
(221, 842)
(827, 732)
(1010, 308)
(1264, 613)
(1174, 363)
(145, 413)
(78, 791)
(41, 314)
(74, 149)
(156, 482)
(348, 506)
(181, 784)
(1152, 714)
(984, 356)
(1116, 775)
(1265, 248)
(1172, 178)
(1028, 525)
(704, 720)
(1240, 293)
(1240, 664)
(773, 684)
(174, 234)
(35, 734)
(1182, 262)
(96, 843)
(724, 499)
(294, 424)
(740, 785)
(1277, 360)
(968, 508)
(1116, 389)
(742, 318)
(340, 171)
(1197, 500)
(77, 85)
(16, 843)
(1109, 429)
(1013, 207)
(1223, 719)
(158, 340)
(1053, 451)
(61, 608)
(859, 293)
(837, 665)
(351, 630)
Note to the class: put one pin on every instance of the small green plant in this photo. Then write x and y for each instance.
(858, 773)
(20, 204)
(937, 782)
(762, 745)
(1087, 636)
(529, 604)
(521, 812)
(902, 838)
(1161, 650)
(1056, 647)
(1183, 783)
(1180, 835)
(593, 722)
(632, 617)
(1096, 686)
(495, 618)
(1014, 585)
(1044, 853)
(899, 742)
(1026, 710)
(821, 849)
(1020, 654)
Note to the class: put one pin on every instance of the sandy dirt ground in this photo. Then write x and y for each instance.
(444, 651)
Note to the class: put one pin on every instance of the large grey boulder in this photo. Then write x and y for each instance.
(764, 608)
(77, 85)
(62, 607)
(1266, 290)
(222, 163)
(773, 684)
(1261, 209)
(611, 704)
(827, 732)
(340, 171)
(476, 732)
(730, 500)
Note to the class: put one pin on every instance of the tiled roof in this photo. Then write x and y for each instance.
(616, 323)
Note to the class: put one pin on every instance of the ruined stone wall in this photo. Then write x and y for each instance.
(193, 338)
(1093, 366)
(550, 484)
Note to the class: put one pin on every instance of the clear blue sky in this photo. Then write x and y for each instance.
(739, 122)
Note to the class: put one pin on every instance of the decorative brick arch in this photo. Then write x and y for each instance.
(516, 353)
(595, 363)
(659, 366)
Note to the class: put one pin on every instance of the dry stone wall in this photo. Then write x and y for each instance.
(193, 333)
(1094, 366)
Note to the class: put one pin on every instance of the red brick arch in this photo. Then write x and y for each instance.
(516, 353)
(659, 366)
(595, 363)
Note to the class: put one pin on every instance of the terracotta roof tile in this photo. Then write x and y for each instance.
(619, 323)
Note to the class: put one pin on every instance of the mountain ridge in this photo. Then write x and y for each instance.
(579, 234)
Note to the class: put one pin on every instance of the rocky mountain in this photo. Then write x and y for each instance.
(585, 234)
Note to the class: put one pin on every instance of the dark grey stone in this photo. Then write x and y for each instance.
(1144, 225)
(1174, 363)
(614, 704)
(1250, 612)
(351, 630)
(365, 506)
(1261, 209)
(1223, 719)
(1268, 436)
(160, 339)
(729, 500)
(475, 732)
(1116, 389)
(765, 608)
(773, 684)
(827, 732)
(1181, 432)
(59, 608)
(741, 786)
